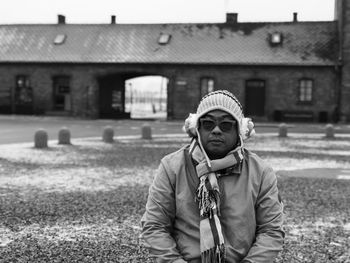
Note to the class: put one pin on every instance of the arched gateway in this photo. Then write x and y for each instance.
(132, 96)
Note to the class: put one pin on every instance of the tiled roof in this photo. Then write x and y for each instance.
(304, 43)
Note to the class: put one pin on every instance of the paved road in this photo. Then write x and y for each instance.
(18, 129)
(21, 129)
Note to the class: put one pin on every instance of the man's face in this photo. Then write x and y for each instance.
(218, 132)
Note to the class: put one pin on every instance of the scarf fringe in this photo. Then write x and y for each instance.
(214, 255)
(208, 199)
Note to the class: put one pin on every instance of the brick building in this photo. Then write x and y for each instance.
(281, 71)
(342, 16)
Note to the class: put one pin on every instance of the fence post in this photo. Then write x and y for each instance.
(282, 130)
(146, 131)
(108, 134)
(40, 139)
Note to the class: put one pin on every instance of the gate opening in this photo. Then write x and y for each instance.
(146, 97)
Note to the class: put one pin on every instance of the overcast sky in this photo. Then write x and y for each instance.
(162, 11)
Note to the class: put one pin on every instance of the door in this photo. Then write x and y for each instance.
(61, 93)
(255, 98)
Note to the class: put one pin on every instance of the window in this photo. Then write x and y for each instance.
(23, 93)
(305, 90)
(59, 39)
(207, 85)
(276, 38)
(164, 38)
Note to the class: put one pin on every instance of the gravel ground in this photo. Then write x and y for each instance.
(83, 202)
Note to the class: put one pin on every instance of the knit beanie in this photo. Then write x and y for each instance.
(225, 101)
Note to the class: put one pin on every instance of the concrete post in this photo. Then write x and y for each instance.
(108, 134)
(282, 130)
(40, 139)
(64, 136)
(146, 132)
(329, 130)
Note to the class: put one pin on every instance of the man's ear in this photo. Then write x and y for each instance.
(247, 128)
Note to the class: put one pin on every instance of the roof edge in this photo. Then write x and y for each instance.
(163, 24)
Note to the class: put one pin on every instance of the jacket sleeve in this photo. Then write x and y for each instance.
(269, 217)
(157, 221)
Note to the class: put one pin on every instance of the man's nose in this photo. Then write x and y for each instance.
(216, 130)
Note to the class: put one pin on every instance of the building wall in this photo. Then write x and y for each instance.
(184, 85)
(343, 17)
(281, 87)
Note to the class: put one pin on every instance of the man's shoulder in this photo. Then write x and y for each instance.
(174, 162)
(175, 156)
(251, 155)
(253, 159)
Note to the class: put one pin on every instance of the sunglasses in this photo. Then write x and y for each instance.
(225, 125)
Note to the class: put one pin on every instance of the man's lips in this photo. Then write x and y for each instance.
(215, 141)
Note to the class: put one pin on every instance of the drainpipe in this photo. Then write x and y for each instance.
(339, 66)
(12, 94)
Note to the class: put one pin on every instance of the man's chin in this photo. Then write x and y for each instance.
(215, 154)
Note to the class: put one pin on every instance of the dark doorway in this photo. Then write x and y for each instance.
(255, 98)
(61, 93)
(112, 97)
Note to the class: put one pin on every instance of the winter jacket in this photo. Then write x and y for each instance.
(251, 212)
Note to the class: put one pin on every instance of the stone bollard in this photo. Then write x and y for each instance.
(282, 130)
(40, 139)
(108, 134)
(64, 136)
(329, 131)
(146, 132)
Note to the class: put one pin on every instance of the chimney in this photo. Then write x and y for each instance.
(61, 19)
(112, 20)
(295, 17)
(231, 18)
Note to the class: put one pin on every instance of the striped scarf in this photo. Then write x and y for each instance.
(208, 196)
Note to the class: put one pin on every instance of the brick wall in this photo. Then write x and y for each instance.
(344, 17)
(184, 85)
(281, 87)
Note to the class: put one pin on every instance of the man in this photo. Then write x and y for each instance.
(213, 200)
